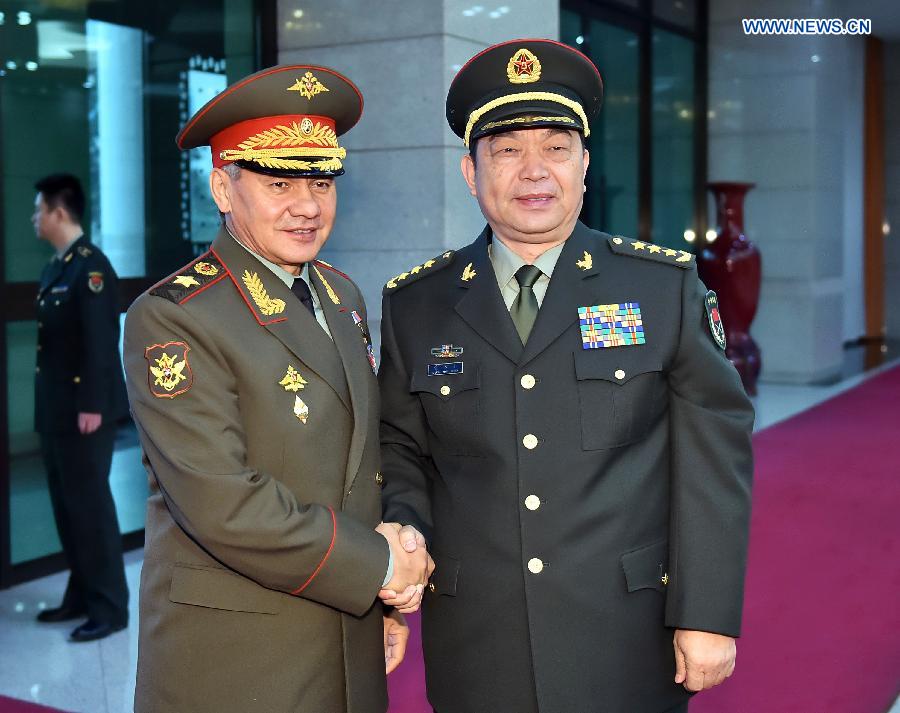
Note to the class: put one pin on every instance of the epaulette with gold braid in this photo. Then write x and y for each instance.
(649, 251)
(191, 279)
(414, 273)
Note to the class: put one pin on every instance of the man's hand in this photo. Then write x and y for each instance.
(702, 659)
(89, 422)
(412, 567)
(396, 635)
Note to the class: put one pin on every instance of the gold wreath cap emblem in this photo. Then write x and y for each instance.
(523, 67)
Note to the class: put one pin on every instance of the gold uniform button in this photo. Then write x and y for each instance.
(617, 241)
(530, 441)
(532, 502)
(41, 303)
(379, 478)
(77, 380)
(37, 370)
(445, 390)
(56, 303)
(620, 374)
(528, 381)
(535, 566)
(432, 587)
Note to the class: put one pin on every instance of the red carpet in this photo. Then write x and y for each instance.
(11, 705)
(822, 608)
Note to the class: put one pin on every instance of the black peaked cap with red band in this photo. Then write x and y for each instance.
(522, 84)
(281, 121)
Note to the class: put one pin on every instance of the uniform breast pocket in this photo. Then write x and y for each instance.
(452, 403)
(621, 394)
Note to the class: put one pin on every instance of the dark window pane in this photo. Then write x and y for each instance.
(673, 138)
(611, 201)
(679, 12)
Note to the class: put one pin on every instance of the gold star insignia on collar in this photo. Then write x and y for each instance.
(670, 253)
(587, 262)
(185, 281)
(655, 249)
(638, 245)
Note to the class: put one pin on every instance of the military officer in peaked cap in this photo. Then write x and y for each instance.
(560, 421)
(251, 378)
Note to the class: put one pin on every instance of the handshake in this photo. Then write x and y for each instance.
(412, 567)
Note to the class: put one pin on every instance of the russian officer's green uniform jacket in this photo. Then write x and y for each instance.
(260, 443)
(583, 495)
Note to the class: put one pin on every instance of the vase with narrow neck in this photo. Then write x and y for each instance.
(731, 265)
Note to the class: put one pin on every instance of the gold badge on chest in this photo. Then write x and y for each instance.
(293, 382)
(301, 410)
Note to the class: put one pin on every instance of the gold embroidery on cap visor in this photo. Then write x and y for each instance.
(280, 146)
(526, 97)
(523, 119)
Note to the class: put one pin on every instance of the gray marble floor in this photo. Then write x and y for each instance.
(38, 664)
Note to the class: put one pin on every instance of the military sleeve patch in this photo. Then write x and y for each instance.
(95, 282)
(716, 327)
(169, 373)
(649, 251)
(414, 273)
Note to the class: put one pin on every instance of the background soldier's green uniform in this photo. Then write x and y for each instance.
(79, 370)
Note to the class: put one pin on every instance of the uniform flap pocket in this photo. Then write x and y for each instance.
(220, 589)
(446, 386)
(446, 572)
(615, 364)
(646, 567)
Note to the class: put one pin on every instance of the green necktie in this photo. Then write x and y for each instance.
(525, 307)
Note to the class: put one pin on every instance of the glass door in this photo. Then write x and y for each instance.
(98, 90)
(612, 200)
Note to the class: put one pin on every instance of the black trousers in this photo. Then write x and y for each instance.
(78, 481)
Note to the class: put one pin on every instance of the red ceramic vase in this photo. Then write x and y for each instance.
(731, 266)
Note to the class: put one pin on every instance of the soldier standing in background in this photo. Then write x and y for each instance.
(79, 397)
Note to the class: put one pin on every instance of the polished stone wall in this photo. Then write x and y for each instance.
(403, 199)
(786, 113)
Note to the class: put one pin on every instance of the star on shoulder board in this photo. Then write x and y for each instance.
(650, 251)
(414, 273)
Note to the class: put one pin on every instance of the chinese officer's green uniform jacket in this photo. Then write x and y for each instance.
(583, 495)
(259, 432)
